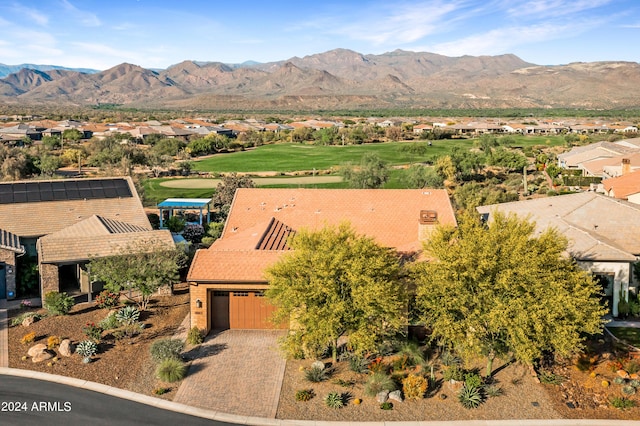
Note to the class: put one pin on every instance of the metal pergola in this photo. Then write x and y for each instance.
(182, 204)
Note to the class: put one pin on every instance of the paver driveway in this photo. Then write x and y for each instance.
(237, 372)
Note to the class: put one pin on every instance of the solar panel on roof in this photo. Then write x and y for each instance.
(21, 192)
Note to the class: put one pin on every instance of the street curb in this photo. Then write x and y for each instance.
(259, 421)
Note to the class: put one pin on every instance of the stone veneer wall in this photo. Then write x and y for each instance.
(200, 316)
(49, 280)
(9, 258)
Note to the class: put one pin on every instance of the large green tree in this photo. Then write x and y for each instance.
(371, 173)
(141, 271)
(505, 290)
(226, 190)
(336, 283)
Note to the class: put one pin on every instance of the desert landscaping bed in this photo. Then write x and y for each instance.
(123, 363)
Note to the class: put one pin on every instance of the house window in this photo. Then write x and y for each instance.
(220, 293)
(240, 293)
(259, 294)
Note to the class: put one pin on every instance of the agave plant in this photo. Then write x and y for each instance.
(334, 400)
(470, 397)
(128, 315)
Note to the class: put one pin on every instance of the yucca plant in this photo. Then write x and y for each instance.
(470, 397)
(315, 374)
(334, 400)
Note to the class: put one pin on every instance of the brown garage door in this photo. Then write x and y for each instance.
(249, 310)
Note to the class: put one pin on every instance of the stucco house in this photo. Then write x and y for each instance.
(227, 279)
(59, 225)
(603, 234)
(624, 187)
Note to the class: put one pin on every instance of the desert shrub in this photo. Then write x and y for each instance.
(171, 370)
(334, 400)
(358, 364)
(631, 367)
(453, 373)
(107, 299)
(87, 348)
(195, 337)
(128, 331)
(470, 397)
(622, 403)
(315, 374)
(378, 366)
(378, 382)
(58, 303)
(472, 380)
(161, 391)
(450, 359)
(628, 390)
(619, 380)
(635, 383)
(128, 315)
(92, 331)
(304, 395)
(414, 386)
(193, 233)
(52, 342)
(109, 322)
(165, 349)
(28, 338)
(344, 383)
(493, 391)
(20, 318)
(550, 378)
(386, 406)
(412, 353)
(584, 363)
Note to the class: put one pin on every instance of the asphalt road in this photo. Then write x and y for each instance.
(26, 402)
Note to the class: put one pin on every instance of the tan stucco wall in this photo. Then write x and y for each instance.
(8, 257)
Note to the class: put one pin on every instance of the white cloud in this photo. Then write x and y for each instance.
(86, 19)
(503, 40)
(103, 49)
(553, 8)
(33, 14)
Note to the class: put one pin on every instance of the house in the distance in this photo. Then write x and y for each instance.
(624, 187)
(603, 234)
(59, 225)
(227, 280)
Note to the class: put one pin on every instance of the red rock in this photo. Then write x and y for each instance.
(622, 374)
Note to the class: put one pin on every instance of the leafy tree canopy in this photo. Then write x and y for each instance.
(504, 289)
(371, 173)
(335, 283)
(226, 190)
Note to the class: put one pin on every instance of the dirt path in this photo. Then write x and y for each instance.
(212, 183)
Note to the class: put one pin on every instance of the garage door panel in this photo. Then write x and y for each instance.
(220, 310)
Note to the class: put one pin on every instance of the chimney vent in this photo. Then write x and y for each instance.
(428, 217)
(626, 166)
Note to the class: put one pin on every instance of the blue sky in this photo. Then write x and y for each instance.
(155, 34)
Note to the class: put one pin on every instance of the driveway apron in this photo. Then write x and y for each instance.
(236, 372)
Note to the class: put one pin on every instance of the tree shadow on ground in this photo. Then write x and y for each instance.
(204, 351)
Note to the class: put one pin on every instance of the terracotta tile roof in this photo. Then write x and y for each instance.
(213, 265)
(597, 227)
(260, 220)
(45, 217)
(11, 242)
(389, 215)
(622, 186)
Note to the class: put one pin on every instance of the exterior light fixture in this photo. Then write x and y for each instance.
(198, 303)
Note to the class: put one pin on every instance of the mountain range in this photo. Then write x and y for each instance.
(338, 79)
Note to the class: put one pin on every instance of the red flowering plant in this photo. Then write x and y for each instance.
(107, 299)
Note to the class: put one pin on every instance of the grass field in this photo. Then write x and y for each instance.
(293, 157)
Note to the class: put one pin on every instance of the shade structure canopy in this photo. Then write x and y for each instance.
(183, 204)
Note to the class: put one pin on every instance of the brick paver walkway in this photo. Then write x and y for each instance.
(237, 372)
(4, 336)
